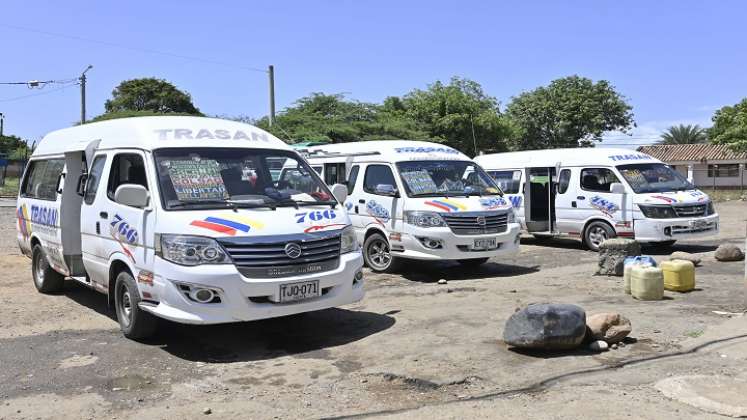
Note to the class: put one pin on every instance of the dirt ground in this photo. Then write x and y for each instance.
(410, 349)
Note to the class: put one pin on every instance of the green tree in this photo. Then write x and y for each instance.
(13, 147)
(150, 95)
(684, 134)
(459, 114)
(730, 126)
(569, 112)
(335, 119)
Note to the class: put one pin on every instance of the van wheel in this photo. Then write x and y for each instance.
(134, 322)
(378, 255)
(46, 279)
(596, 233)
(473, 262)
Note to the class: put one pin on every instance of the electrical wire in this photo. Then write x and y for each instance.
(127, 47)
(38, 94)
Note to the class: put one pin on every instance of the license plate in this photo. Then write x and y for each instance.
(698, 224)
(485, 243)
(292, 292)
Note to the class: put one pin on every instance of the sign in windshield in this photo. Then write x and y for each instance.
(654, 178)
(221, 177)
(445, 178)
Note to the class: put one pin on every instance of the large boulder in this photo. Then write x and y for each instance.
(546, 327)
(680, 255)
(728, 252)
(612, 255)
(609, 326)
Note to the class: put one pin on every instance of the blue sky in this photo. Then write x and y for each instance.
(675, 61)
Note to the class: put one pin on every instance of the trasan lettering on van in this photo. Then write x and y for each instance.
(638, 156)
(426, 150)
(43, 215)
(206, 134)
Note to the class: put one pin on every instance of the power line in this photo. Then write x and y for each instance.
(127, 47)
(38, 93)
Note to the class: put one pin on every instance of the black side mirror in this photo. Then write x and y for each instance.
(60, 178)
(81, 184)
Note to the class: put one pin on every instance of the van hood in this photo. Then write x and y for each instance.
(673, 197)
(458, 204)
(220, 223)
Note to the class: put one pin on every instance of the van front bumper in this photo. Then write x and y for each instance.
(241, 298)
(660, 230)
(412, 244)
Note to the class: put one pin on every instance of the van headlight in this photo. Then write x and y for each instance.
(511, 216)
(190, 250)
(424, 219)
(348, 240)
(710, 210)
(658, 212)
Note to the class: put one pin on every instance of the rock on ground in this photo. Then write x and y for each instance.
(728, 252)
(609, 326)
(546, 327)
(680, 255)
(612, 255)
(715, 394)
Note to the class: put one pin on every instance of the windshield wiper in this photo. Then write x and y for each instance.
(185, 203)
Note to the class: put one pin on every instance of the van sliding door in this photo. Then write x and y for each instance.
(539, 199)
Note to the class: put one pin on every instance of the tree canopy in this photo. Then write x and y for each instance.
(569, 112)
(150, 94)
(684, 134)
(459, 114)
(13, 147)
(730, 126)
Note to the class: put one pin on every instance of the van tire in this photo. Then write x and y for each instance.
(378, 255)
(596, 233)
(135, 323)
(473, 262)
(46, 279)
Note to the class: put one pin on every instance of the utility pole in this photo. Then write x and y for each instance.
(83, 94)
(271, 75)
(2, 120)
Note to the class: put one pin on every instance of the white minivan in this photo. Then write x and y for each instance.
(417, 200)
(179, 217)
(598, 193)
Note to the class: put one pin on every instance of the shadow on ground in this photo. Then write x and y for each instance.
(255, 340)
(268, 339)
(434, 271)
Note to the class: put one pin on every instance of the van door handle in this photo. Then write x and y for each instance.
(362, 201)
(580, 197)
(98, 228)
(356, 209)
(104, 215)
(573, 204)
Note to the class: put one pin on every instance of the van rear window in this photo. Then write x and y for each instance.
(41, 179)
(509, 181)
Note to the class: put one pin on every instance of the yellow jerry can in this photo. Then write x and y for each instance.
(646, 283)
(679, 275)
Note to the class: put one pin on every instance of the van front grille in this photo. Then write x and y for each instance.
(264, 257)
(476, 223)
(694, 210)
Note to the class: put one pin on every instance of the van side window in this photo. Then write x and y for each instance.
(334, 173)
(509, 181)
(127, 168)
(92, 182)
(41, 181)
(352, 178)
(564, 180)
(378, 175)
(597, 179)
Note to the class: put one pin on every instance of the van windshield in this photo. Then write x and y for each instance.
(192, 178)
(654, 178)
(434, 178)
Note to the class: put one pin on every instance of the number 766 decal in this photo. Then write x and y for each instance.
(315, 216)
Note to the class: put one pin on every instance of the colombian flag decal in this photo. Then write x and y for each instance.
(446, 205)
(228, 224)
